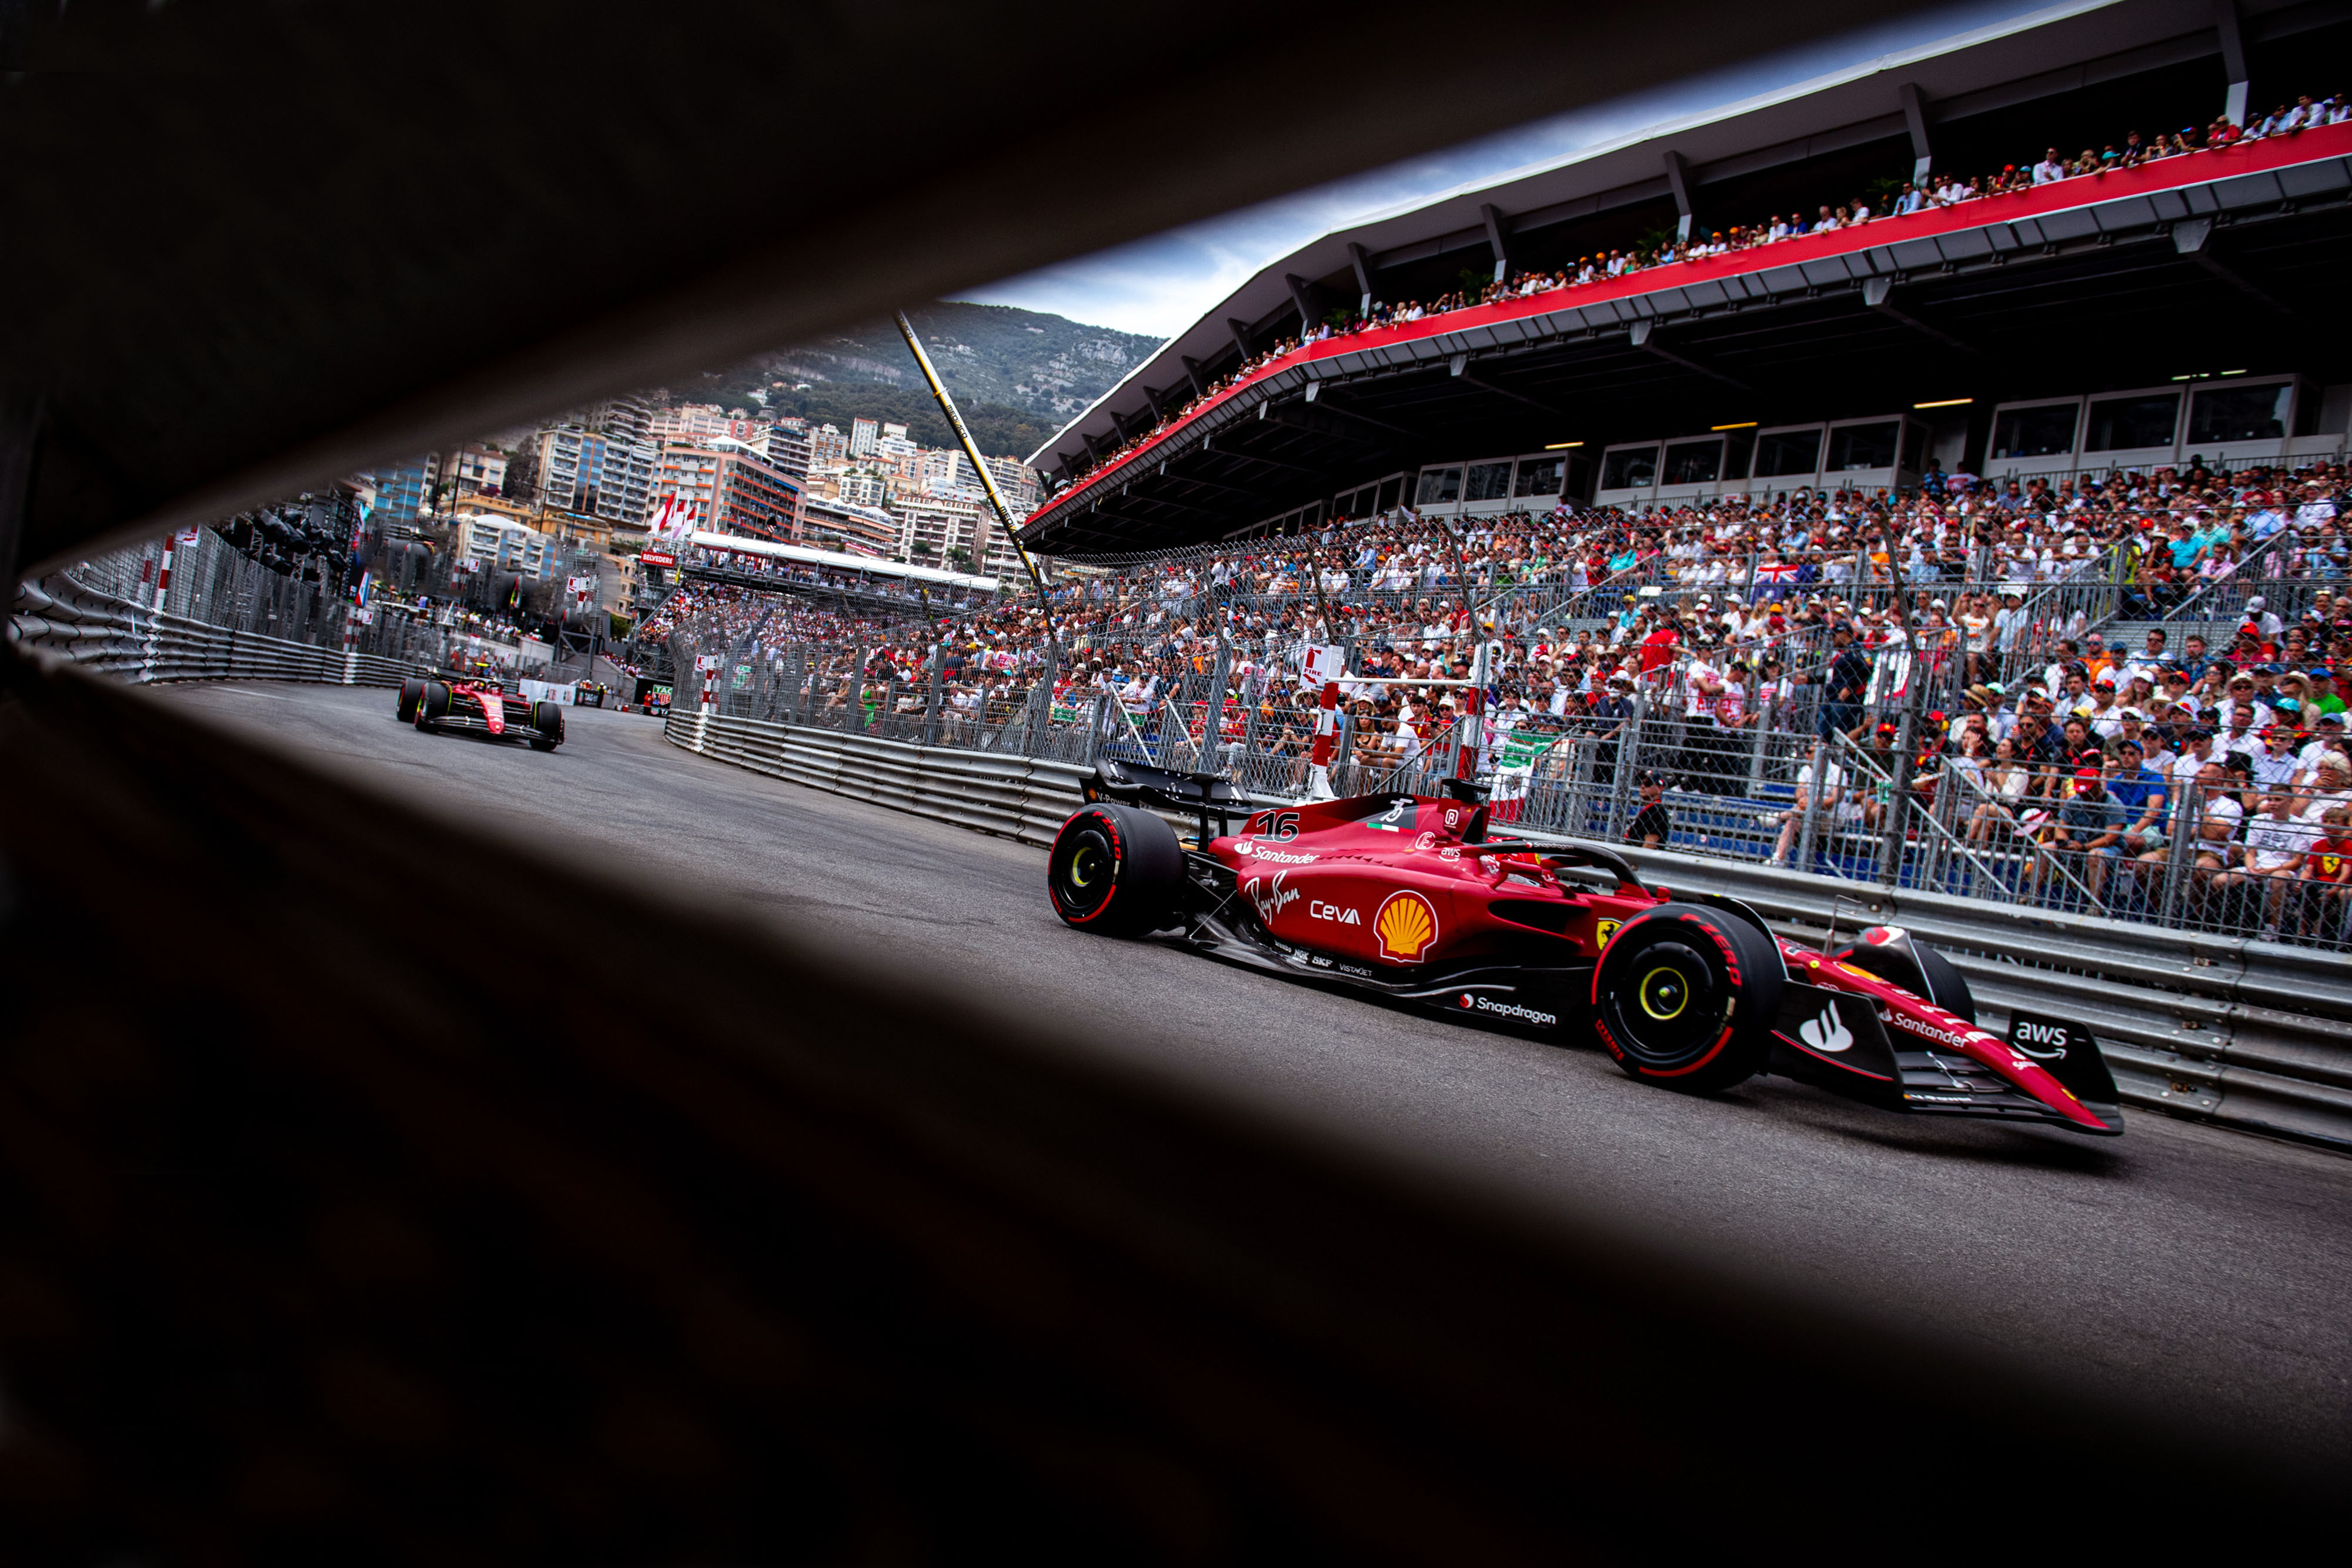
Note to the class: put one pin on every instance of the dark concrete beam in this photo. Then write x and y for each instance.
(1678, 180)
(1462, 373)
(1494, 220)
(2194, 240)
(1362, 260)
(1877, 294)
(1915, 120)
(1644, 338)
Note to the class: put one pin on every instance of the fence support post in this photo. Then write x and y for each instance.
(1809, 831)
(1756, 752)
(932, 699)
(1629, 755)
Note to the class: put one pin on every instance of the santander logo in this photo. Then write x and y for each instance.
(1826, 1033)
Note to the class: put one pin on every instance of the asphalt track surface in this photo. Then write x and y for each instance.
(2205, 1273)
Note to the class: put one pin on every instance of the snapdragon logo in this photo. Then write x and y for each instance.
(1489, 1005)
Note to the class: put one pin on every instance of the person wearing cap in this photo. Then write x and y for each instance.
(1652, 824)
(2240, 691)
(2089, 820)
(2140, 790)
(2265, 621)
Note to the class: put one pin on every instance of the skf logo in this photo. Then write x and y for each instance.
(1406, 924)
(1827, 1032)
(1604, 929)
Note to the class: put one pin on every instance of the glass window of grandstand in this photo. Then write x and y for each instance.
(2041, 430)
(1488, 482)
(1538, 477)
(1439, 486)
(1788, 453)
(1860, 446)
(2136, 422)
(2257, 412)
(1630, 468)
(1390, 489)
(1693, 462)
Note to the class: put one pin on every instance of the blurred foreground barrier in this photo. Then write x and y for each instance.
(2248, 1034)
(317, 1246)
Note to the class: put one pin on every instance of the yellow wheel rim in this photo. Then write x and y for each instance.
(1663, 993)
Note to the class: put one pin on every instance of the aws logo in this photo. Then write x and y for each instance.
(1406, 924)
(2042, 1041)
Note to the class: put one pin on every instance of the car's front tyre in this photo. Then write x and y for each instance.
(547, 719)
(405, 705)
(1685, 995)
(1115, 869)
(431, 703)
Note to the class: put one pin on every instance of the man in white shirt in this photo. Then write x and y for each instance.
(1836, 806)
(2049, 169)
(2276, 842)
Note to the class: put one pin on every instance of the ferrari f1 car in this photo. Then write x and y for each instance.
(472, 706)
(1406, 897)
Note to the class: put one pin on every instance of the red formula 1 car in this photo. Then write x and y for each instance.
(1406, 897)
(474, 705)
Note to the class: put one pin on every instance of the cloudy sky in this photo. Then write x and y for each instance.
(1162, 285)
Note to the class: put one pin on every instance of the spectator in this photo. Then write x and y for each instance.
(1653, 825)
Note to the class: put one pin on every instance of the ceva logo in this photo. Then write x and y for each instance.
(1406, 924)
(1826, 1033)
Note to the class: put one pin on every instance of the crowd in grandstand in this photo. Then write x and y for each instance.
(1788, 614)
(1946, 191)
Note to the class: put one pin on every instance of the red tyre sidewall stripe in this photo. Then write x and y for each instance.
(1731, 963)
(1118, 859)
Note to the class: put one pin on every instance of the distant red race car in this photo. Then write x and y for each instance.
(473, 706)
(1404, 896)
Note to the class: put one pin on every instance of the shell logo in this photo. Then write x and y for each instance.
(1406, 926)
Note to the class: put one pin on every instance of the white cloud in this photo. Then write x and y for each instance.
(1162, 285)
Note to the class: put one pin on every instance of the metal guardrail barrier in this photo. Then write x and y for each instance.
(59, 617)
(2242, 1033)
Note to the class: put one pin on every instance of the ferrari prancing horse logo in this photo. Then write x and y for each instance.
(1406, 926)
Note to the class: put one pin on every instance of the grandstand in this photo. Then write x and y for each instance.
(1893, 501)
(2157, 310)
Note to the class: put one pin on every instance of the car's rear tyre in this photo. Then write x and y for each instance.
(1115, 869)
(1685, 995)
(410, 690)
(1933, 977)
(431, 703)
(547, 719)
